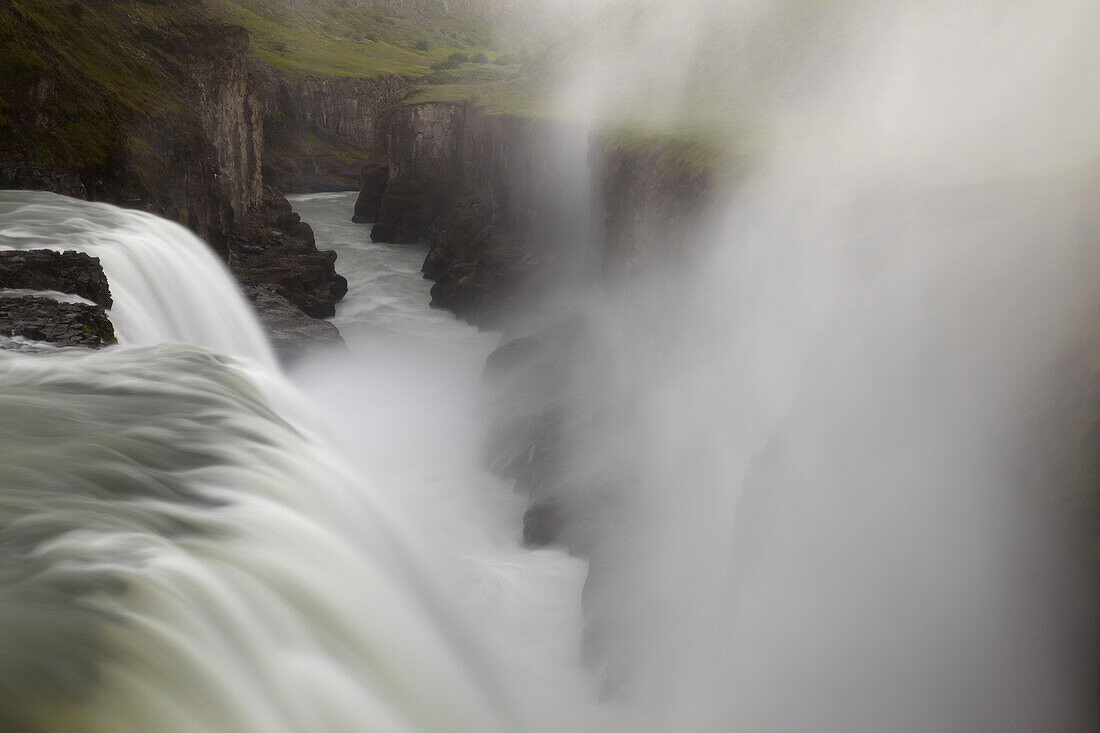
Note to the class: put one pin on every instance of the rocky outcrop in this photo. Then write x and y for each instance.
(55, 322)
(276, 248)
(293, 334)
(70, 272)
(47, 319)
(232, 97)
(372, 184)
(505, 203)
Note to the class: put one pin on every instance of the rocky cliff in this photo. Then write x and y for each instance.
(507, 199)
(323, 131)
(502, 200)
(162, 108)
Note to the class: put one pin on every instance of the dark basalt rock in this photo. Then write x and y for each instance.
(66, 272)
(477, 267)
(543, 524)
(293, 334)
(409, 208)
(277, 249)
(20, 174)
(373, 180)
(306, 278)
(64, 324)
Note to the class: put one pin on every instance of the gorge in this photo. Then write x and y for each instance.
(698, 366)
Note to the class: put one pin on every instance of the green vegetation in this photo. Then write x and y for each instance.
(329, 38)
(76, 77)
(682, 151)
(82, 79)
(514, 96)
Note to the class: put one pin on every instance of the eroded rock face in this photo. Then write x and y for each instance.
(324, 131)
(409, 208)
(51, 321)
(65, 272)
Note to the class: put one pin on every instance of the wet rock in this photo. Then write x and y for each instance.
(65, 272)
(373, 180)
(306, 278)
(63, 324)
(277, 249)
(293, 334)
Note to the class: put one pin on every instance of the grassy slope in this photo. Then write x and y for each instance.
(696, 136)
(77, 76)
(81, 75)
(326, 38)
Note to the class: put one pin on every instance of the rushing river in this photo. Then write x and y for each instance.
(189, 543)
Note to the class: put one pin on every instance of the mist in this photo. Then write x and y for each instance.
(806, 466)
(791, 423)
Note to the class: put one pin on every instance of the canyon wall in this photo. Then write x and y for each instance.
(321, 132)
(506, 201)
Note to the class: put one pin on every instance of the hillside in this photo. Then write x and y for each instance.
(333, 38)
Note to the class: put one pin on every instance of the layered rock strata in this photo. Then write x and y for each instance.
(47, 319)
(70, 272)
(55, 322)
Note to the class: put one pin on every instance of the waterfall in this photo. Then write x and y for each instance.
(166, 283)
(179, 550)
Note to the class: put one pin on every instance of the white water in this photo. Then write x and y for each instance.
(182, 548)
(407, 404)
(166, 284)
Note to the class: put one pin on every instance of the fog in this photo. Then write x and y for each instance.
(805, 464)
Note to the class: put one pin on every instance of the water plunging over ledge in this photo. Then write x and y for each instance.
(184, 547)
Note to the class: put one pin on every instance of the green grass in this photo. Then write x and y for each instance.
(329, 39)
(76, 77)
(513, 96)
(682, 149)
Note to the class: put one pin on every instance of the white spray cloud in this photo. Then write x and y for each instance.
(823, 421)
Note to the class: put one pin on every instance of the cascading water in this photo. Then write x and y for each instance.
(800, 466)
(179, 551)
(166, 285)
